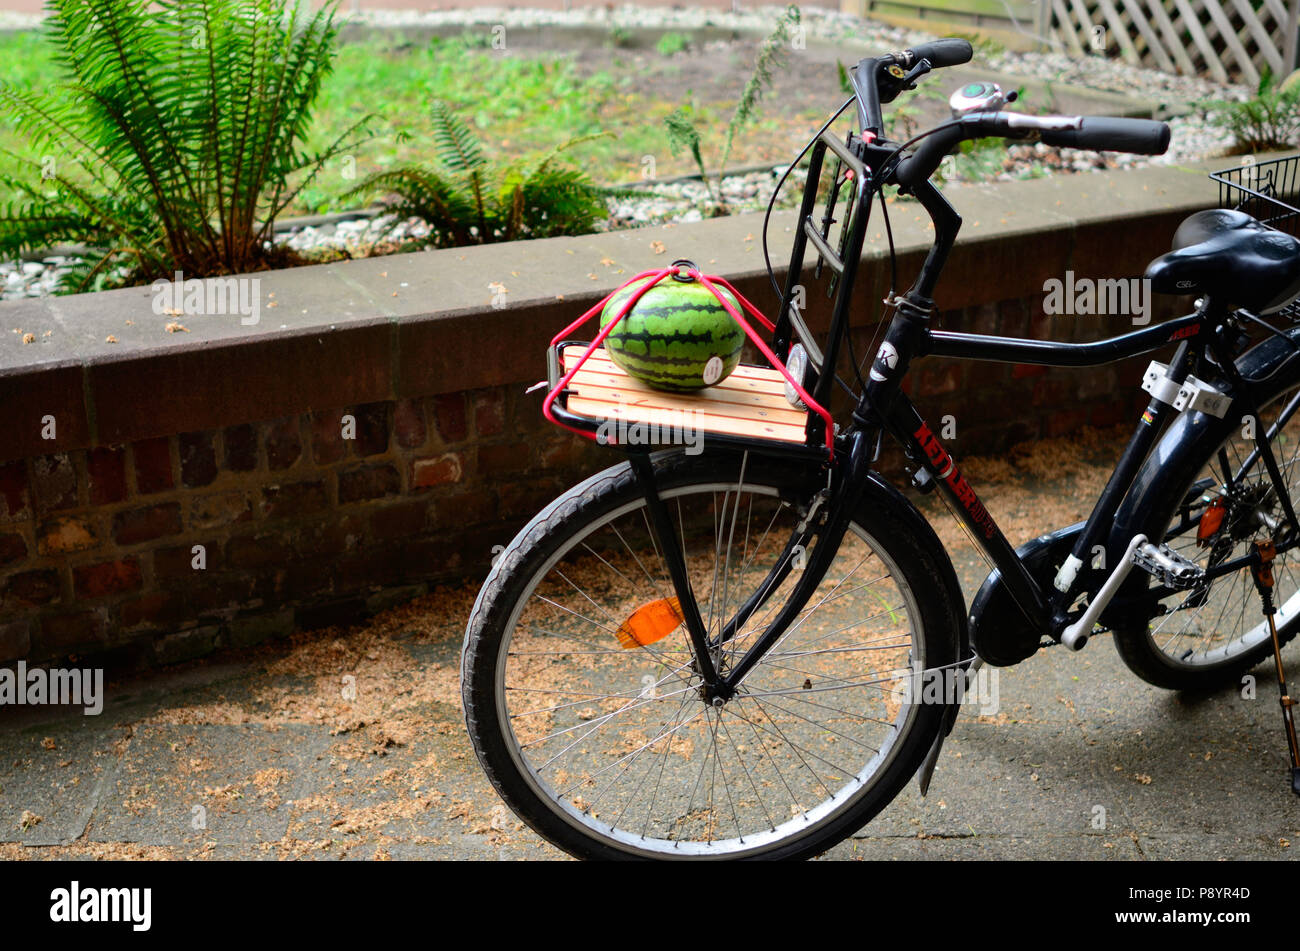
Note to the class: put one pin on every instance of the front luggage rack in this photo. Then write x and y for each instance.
(593, 397)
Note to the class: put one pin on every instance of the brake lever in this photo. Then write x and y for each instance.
(916, 72)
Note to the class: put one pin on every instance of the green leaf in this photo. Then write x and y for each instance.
(457, 146)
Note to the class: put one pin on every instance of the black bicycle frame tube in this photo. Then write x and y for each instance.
(947, 222)
(1052, 353)
(923, 447)
(854, 471)
(1125, 471)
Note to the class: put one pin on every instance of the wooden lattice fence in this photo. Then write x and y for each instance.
(1226, 40)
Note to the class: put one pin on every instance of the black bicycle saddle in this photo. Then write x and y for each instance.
(1232, 257)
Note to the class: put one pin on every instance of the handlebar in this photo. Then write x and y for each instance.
(880, 79)
(1101, 133)
(1107, 134)
(940, 53)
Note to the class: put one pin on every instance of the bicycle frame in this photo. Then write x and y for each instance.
(884, 408)
(900, 418)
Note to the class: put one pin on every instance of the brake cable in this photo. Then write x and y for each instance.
(767, 216)
(771, 204)
(887, 167)
(892, 160)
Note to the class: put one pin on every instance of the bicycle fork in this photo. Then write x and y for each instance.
(1262, 572)
(718, 687)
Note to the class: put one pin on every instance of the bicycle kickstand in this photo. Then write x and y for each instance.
(1263, 574)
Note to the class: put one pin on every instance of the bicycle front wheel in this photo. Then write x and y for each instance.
(612, 752)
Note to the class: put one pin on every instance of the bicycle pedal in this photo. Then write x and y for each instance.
(1173, 570)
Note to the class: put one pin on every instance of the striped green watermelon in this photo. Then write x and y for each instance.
(677, 337)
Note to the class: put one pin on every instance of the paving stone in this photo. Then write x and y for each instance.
(991, 789)
(986, 848)
(61, 784)
(1217, 847)
(244, 777)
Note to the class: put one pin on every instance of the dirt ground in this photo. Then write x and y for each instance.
(366, 751)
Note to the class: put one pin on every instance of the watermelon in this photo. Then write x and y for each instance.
(677, 337)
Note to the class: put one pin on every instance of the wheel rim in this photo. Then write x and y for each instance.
(1229, 623)
(656, 770)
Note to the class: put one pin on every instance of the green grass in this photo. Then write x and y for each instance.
(25, 60)
(519, 105)
(671, 43)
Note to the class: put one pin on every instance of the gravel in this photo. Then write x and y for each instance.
(20, 279)
(823, 23)
(689, 200)
(355, 238)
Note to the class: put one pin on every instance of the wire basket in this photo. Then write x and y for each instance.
(1267, 191)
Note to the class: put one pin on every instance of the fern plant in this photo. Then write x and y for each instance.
(468, 200)
(174, 137)
(684, 135)
(1269, 120)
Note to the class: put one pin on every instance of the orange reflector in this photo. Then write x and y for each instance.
(1211, 521)
(649, 623)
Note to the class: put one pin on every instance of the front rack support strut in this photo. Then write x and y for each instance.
(670, 548)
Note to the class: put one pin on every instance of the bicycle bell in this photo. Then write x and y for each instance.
(978, 97)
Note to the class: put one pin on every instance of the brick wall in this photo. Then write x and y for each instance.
(166, 548)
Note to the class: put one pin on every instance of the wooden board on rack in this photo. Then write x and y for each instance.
(750, 402)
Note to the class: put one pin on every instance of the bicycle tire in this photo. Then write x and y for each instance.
(893, 529)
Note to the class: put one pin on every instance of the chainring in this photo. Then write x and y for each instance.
(999, 631)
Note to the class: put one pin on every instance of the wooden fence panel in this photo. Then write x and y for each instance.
(1228, 40)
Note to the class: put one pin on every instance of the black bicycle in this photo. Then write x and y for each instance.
(729, 653)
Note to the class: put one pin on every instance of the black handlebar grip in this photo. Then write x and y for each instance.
(1107, 134)
(940, 53)
(921, 164)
